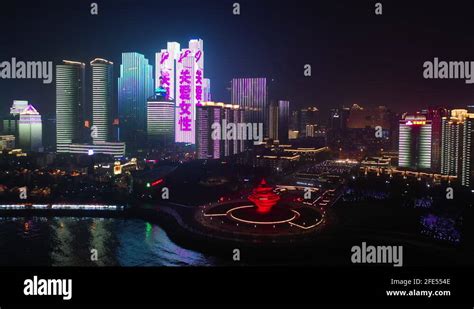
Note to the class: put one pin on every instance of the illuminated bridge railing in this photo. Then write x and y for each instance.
(60, 207)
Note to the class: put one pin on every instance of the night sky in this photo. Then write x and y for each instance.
(356, 56)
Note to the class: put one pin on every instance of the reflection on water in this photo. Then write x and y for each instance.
(440, 228)
(68, 241)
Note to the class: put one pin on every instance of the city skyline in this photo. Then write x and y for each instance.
(330, 140)
(403, 88)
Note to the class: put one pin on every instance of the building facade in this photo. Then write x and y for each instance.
(415, 143)
(135, 86)
(102, 99)
(160, 119)
(30, 130)
(251, 94)
(70, 99)
(457, 146)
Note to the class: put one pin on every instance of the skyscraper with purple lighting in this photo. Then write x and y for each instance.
(251, 94)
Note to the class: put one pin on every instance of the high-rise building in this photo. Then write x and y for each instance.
(189, 90)
(283, 121)
(213, 116)
(308, 116)
(251, 94)
(181, 73)
(415, 143)
(206, 96)
(467, 167)
(361, 118)
(135, 86)
(102, 99)
(70, 96)
(337, 126)
(165, 64)
(160, 119)
(9, 124)
(273, 121)
(30, 129)
(207, 146)
(436, 115)
(457, 146)
(278, 121)
(294, 121)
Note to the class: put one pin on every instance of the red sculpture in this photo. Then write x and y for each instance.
(264, 197)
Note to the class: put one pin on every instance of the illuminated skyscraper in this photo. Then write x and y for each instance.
(181, 73)
(457, 146)
(211, 116)
(135, 86)
(206, 146)
(207, 90)
(160, 119)
(165, 73)
(273, 121)
(308, 116)
(415, 143)
(70, 96)
(251, 94)
(467, 168)
(283, 121)
(436, 115)
(30, 129)
(102, 99)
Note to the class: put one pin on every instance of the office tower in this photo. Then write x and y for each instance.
(165, 64)
(213, 123)
(251, 94)
(70, 96)
(9, 124)
(310, 130)
(160, 119)
(208, 115)
(102, 99)
(283, 121)
(273, 121)
(228, 118)
(238, 119)
(135, 86)
(337, 126)
(308, 116)
(30, 129)
(361, 118)
(189, 90)
(294, 121)
(436, 115)
(467, 168)
(207, 90)
(415, 143)
(115, 149)
(456, 145)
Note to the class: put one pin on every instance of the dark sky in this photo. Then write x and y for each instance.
(356, 56)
